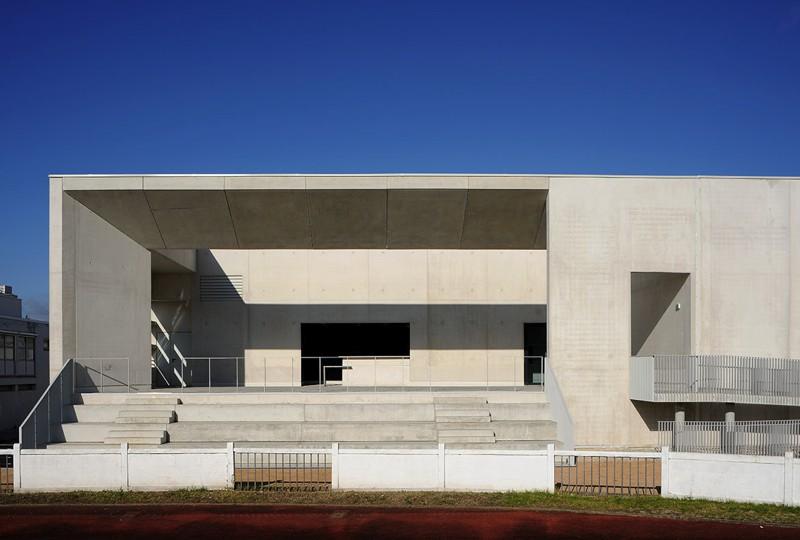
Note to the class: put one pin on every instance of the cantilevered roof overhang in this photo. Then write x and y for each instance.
(320, 212)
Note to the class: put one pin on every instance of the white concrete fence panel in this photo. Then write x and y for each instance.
(760, 479)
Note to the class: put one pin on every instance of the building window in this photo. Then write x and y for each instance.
(17, 355)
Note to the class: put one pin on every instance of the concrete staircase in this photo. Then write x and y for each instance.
(463, 420)
(466, 419)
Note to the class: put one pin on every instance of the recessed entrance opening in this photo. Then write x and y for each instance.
(535, 347)
(323, 345)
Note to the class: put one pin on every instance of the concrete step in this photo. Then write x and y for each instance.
(127, 426)
(462, 419)
(450, 433)
(83, 432)
(520, 411)
(461, 412)
(460, 400)
(342, 432)
(147, 432)
(463, 425)
(467, 439)
(146, 413)
(145, 419)
(134, 440)
(101, 398)
(501, 445)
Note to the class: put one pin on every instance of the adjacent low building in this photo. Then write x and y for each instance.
(630, 300)
(24, 363)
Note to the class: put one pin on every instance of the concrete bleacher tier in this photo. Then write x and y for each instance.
(499, 419)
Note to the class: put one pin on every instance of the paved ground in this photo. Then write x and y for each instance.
(199, 522)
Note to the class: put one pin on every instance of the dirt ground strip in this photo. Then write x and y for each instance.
(201, 522)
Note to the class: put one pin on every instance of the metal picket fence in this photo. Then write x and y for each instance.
(6, 471)
(755, 438)
(608, 473)
(282, 470)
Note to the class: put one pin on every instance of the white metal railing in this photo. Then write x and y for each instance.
(354, 373)
(6, 470)
(607, 473)
(715, 378)
(102, 374)
(47, 415)
(755, 438)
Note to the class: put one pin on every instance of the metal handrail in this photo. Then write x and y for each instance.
(750, 437)
(85, 362)
(32, 419)
(716, 378)
(510, 374)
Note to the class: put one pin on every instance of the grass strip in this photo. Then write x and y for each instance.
(647, 506)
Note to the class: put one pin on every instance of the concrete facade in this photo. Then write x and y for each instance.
(466, 260)
(21, 383)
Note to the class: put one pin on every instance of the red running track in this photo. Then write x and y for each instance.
(240, 522)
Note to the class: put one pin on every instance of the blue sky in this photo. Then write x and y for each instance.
(658, 87)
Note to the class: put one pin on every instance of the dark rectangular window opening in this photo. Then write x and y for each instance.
(535, 348)
(325, 344)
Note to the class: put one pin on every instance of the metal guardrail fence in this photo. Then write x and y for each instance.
(754, 438)
(6, 471)
(279, 470)
(346, 373)
(102, 374)
(716, 378)
(607, 473)
(47, 415)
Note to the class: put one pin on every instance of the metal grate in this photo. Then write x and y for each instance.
(608, 474)
(283, 471)
(225, 287)
(754, 438)
(6, 473)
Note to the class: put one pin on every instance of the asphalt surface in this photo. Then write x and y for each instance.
(223, 522)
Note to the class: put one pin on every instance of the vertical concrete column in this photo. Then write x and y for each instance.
(729, 433)
(124, 480)
(442, 481)
(230, 466)
(551, 468)
(788, 479)
(17, 456)
(730, 416)
(335, 465)
(680, 417)
(665, 471)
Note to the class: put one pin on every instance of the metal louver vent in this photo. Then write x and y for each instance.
(216, 288)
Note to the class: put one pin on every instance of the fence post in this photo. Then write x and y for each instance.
(551, 468)
(230, 466)
(788, 478)
(17, 457)
(441, 468)
(335, 465)
(665, 471)
(124, 480)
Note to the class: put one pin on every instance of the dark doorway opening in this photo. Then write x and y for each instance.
(325, 344)
(535, 348)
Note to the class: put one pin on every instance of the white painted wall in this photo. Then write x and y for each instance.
(484, 470)
(761, 479)
(156, 469)
(388, 469)
(455, 470)
(70, 470)
(118, 467)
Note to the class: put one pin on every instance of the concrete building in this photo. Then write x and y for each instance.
(24, 363)
(393, 285)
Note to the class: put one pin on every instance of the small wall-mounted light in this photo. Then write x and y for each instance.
(678, 306)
